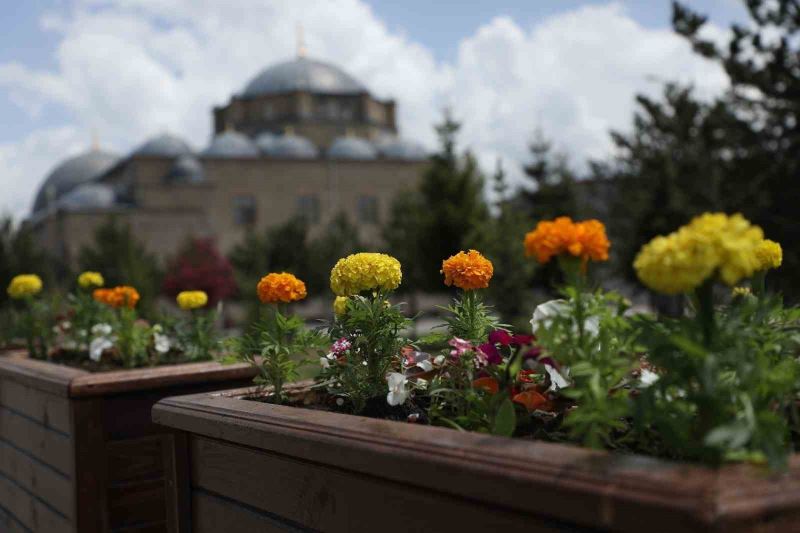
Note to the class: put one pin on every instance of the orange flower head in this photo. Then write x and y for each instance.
(280, 287)
(488, 384)
(531, 399)
(586, 240)
(121, 296)
(467, 270)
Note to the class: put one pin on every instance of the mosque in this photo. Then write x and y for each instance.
(303, 138)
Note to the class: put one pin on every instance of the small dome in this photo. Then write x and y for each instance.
(71, 173)
(186, 169)
(352, 148)
(88, 196)
(231, 144)
(265, 141)
(303, 74)
(397, 148)
(164, 145)
(294, 147)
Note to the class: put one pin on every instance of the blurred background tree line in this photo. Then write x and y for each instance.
(682, 155)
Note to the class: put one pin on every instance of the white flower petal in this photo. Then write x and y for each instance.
(557, 381)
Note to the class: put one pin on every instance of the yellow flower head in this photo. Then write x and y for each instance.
(191, 299)
(713, 243)
(90, 279)
(340, 305)
(467, 271)
(739, 292)
(585, 240)
(365, 272)
(770, 254)
(24, 285)
(280, 287)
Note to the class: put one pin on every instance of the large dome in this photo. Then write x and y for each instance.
(71, 173)
(164, 145)
(352, 148)
(303, 74)
(231, 144)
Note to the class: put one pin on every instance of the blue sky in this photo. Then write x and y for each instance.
(129, 68)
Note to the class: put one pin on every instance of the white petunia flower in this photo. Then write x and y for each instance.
(98, 346)
(647, 378)
(557, 381)
(425, 365)
(397, 389)
(161, 343)
(544, 314)
(101, 330)
(324, 363)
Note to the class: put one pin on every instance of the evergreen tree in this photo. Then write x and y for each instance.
(441, 217)
(762, 60)
(19, 254)
(339, 239)
(123, 260)
(554, 191)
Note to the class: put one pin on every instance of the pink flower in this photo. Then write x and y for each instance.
(341, 346)
(491, 353)
(460, 346)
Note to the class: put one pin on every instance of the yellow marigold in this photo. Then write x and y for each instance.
(191, 299)
(340, 305)
(770, 254)
(713, 243)
(585, 240)
(467, 271)
(91, 279)
(280, 287)
(741, 291)
(121, 296)
(24, 285)
(365, 272)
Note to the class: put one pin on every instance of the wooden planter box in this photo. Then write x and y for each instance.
(260, 467)
(78, 450)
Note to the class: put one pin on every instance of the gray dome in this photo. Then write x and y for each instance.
(397, 148)
(231, 144)
(352, 148)
(303, 74)
(164, 145)
(293, 146)
(265, 141)
(88, 196)
(71, 173)
(186, 169)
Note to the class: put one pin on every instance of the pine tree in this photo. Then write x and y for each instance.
(553, 189)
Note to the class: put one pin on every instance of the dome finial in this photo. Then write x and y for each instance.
(301, 42)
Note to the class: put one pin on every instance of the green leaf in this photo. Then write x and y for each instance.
(505, 420)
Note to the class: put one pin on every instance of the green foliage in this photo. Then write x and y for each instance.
(554, 191)
(274, 345)
(588, 334)
(439, 219)
(372, 327)
(726, 394)
(197, 334)
(33, 322)
(468, 318)
(123, 260)
(19, 254)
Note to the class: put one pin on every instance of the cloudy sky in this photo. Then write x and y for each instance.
(129, 69)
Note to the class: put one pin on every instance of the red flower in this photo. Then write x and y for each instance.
(500, 336)
(488, 384)
(531, 399)
(491, 353)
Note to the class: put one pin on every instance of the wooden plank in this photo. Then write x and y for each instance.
(51, 410)
(158, 377)
(91, 475)
(9, 523)
(135, 460)
(212, 514)
(136, 503)
(177, 482)
(591, 488)
(333, 500)
(41, 375)
(50, 447)
(30, 511)
(38, 478)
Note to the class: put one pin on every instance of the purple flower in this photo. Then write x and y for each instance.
(341, 346)
(500, 336)
(491, 353)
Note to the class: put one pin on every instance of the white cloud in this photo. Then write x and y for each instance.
(132, 68)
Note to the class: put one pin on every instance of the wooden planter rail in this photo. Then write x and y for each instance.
(79, 453)
(260, 467)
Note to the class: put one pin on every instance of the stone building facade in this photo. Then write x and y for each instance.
(302, 139)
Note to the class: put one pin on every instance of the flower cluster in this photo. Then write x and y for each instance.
(24, 285)
(340, 305)
(713, 243)
(586, 240)
(191, 299)
(365, 272)
(120, 296)
(90, 279)
(280, 287)
(467, 270)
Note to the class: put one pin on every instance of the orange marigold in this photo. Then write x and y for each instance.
(467, 270)
(280, 287)
(121, 296)
(586, 240)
